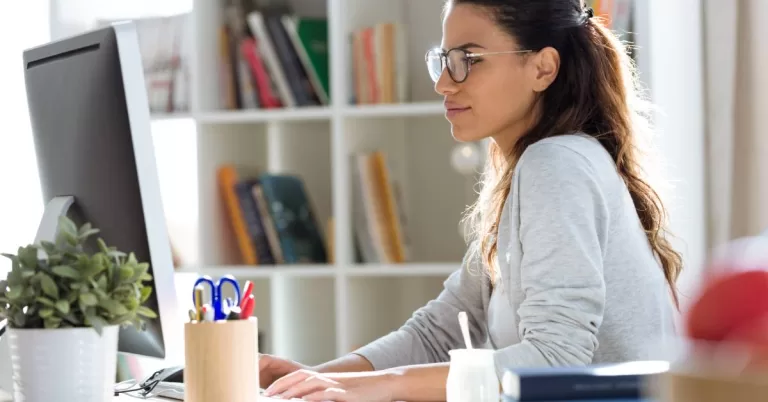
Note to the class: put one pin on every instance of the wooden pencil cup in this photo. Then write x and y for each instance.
(221, 361)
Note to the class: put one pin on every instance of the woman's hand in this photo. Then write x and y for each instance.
(310, 385)
(272, 367)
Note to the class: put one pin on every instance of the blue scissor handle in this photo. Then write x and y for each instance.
(207, 280)
(216, 300)
(232, 281)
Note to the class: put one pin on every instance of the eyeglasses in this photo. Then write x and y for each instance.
(457, 61)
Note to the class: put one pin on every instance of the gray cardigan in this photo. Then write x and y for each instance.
(579, 283)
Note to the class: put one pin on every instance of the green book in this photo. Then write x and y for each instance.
(310, 39)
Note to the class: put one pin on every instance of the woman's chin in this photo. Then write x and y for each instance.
(464, 135)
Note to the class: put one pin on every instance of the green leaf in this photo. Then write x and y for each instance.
(28, 257)
(97, 322)
(63, 306)
(45, 312)
(113, 306)
(146, 312)
(26, 274)
(66, 225)
(14, 292)
(51, 322)
(101, 283)
(49, 286)
(44, 300)
(126, 273)
(102, 246)
(86, 227)
(66, 271)
(88, 299)
(70, 238)
(49, 247)
(132, 303)
(88, 233)
(70, 318)
(146, 277)
(146, 291)
(72, 297)
(20, 319)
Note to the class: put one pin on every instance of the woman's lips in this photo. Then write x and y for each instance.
(453, 111)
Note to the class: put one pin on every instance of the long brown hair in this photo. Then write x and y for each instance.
(597, 93)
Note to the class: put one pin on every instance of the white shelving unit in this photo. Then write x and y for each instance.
(326, 311)
(312, 313)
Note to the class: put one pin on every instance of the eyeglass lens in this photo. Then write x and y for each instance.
(456, 63)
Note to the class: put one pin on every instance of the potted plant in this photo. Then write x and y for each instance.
(64, 307)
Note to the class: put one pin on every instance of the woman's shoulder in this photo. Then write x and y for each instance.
(568, 154)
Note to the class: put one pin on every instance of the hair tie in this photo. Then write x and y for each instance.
(590, 12)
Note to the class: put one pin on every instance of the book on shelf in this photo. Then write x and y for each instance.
(271, 218)
(379, 64)
(378, 211)
(165, 44)
(272, 58)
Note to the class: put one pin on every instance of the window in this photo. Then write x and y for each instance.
(21, 205)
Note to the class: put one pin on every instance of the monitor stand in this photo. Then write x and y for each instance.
(47, 231)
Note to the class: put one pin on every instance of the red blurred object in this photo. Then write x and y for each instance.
(730, 300)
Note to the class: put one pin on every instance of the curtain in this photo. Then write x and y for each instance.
(736, 36)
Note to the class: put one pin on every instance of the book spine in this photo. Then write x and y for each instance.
(576, 387)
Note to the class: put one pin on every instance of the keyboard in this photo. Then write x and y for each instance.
(175, 391)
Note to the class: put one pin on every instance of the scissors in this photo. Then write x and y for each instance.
(216, 300)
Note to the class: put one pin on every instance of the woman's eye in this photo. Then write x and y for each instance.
(473, 60)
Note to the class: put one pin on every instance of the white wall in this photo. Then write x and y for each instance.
(675, 76)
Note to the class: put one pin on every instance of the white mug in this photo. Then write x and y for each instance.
(472, 376)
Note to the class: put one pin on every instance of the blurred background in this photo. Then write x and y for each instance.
(342, 101)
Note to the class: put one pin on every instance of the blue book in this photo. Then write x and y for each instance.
(507, 399)
(601, 382)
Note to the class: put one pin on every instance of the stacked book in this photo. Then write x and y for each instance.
(271, 218)
(271, 58)
(378, 212)
(379, 64)
(620, 382)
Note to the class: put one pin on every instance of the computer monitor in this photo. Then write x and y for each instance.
(90, 121)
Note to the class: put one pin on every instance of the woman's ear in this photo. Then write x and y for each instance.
(545, 64)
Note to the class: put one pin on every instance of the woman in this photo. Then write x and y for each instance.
(568, 264)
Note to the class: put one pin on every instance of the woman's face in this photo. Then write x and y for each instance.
(497, 97)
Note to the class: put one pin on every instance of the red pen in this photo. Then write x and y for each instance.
(246, 292)
(248, 306)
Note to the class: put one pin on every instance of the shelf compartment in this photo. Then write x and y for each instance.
(369, 320)
(306, 328)
(430, 194)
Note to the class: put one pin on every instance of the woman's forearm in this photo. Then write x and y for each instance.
(423, 382)
(345, 364)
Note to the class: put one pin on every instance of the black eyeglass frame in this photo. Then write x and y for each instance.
(467, 60)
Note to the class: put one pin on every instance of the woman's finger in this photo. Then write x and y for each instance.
(287, 381)
(328, 394)
(308, 386)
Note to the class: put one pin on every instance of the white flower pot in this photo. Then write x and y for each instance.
(69, 364)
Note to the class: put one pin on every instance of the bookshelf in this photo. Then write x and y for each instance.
(317, 311)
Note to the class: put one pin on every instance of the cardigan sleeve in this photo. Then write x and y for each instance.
(563, 225)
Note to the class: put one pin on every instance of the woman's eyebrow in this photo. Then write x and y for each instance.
(469, 45)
